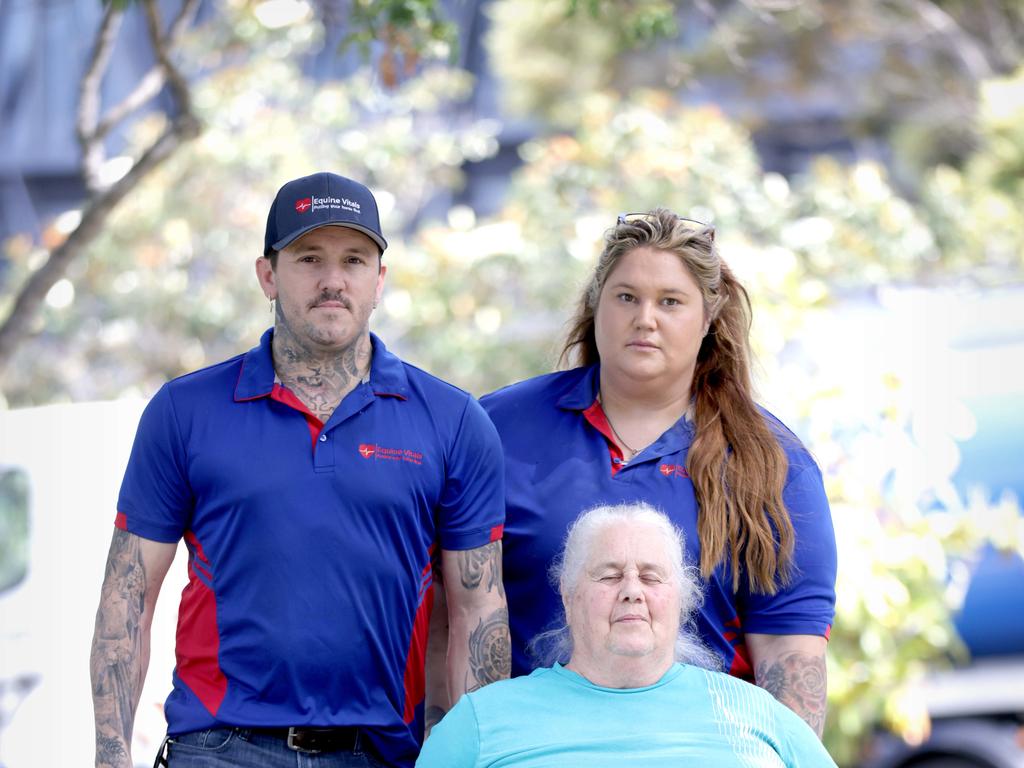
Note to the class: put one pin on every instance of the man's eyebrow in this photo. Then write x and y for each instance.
(348, 249)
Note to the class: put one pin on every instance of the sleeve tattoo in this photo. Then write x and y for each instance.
(798, 680)
(490, 647)
(116, 664)
(490, 650)
(477, 564)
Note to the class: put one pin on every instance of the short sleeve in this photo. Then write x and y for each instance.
(156, 501)
(455, 741)
(806, 606)
(472, 505)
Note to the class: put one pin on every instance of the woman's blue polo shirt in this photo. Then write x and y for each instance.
(558, 463)
(310, 545)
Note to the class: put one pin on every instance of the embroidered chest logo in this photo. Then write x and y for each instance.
(673, 470)
(380, 453)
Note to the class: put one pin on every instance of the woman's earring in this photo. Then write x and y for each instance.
(272, 307)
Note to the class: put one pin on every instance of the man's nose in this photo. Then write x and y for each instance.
(332, 276)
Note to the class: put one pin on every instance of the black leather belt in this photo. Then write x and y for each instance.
(315, 740)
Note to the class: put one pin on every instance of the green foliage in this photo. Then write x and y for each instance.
(903, 70)
(408, 28)
(170, 284)
(635, 21)
(975, 212)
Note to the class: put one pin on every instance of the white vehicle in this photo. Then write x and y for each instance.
(60, 470)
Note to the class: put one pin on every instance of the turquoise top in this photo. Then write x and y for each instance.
(555, 717)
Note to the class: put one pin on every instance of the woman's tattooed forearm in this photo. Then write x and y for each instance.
(799, 681)
(116, 659)
(490, 650)
(432, 716)
(476, 565)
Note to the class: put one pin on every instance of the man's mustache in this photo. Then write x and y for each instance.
(329, 296)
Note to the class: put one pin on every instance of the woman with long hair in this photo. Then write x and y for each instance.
(658, 408)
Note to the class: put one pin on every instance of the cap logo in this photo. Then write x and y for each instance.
(302, 205)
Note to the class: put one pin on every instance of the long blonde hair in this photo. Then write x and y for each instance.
(736, 462)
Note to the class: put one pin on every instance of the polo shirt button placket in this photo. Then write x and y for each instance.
(323, 455)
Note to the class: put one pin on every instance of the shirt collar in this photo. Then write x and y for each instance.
(256, 377)
(582, 394)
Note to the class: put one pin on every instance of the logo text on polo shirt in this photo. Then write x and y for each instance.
(380, 453)
(673, 470)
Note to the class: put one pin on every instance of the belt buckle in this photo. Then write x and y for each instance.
(292, 733)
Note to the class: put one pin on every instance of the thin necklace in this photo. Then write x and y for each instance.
(632, 451)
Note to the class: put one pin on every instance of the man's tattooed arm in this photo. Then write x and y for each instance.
(120, 647)
(490, 651)
(479, 647)
(792, 669)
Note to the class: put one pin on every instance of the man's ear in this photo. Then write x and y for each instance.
(265, 274)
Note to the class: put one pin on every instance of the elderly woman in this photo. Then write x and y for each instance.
(660, 410)
(623, 698)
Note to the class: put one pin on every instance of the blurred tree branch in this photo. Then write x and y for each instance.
(406, 28)
(91, 129)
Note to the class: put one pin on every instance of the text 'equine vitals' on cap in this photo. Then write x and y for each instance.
(321, 200)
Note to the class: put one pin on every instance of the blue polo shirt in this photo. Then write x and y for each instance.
(310, 545)
(560, 460)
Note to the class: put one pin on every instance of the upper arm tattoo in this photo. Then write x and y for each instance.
(115, 663)
(481, 566)
(798, 680)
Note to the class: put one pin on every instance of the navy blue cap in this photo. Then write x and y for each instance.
(321, 200)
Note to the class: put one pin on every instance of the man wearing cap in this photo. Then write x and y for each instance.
(315, 479)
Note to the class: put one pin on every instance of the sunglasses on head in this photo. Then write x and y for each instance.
(626, 218)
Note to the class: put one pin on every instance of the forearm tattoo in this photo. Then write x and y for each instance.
(116, 664)
(490, 651)
(799, 681)
(482, 566)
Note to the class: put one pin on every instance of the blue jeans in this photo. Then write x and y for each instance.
(244, 748)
